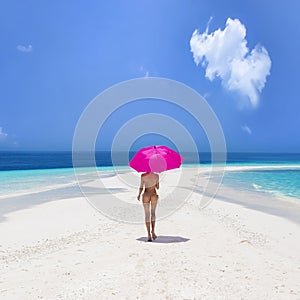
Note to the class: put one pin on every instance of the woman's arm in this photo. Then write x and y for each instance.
(140, 189)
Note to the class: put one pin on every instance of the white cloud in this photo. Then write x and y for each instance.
(206, 95)
(23, 48)
(144, 71)
(224, 54)
(246, 129)
(3, 135)
(7, 141)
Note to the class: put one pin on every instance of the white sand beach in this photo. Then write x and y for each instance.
(243, 245)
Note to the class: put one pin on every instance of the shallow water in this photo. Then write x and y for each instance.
(285, 182)
(26, 172)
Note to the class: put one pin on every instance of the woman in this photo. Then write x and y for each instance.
(149, 181)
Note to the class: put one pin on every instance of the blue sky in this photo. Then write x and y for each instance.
(56, 56)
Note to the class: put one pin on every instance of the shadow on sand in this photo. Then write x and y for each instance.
(165, 239)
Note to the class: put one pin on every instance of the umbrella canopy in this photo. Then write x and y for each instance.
(155, 159)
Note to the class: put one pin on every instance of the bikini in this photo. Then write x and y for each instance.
(150, 194)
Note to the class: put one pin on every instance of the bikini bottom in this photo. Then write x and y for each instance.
(150, 195)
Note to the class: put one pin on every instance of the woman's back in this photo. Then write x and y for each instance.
(150, 181)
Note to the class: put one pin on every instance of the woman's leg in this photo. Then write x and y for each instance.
(146, 205)
(154, 199)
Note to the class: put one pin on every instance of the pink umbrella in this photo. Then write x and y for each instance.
(155, 159)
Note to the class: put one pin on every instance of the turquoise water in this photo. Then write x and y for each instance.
(12, 182)
(26, 172)
(26, 181)
(280, 181)
(284, 182)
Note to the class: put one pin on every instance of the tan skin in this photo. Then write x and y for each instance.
(149, 181)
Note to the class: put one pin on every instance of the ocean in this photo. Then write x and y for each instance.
(26, 172)
(281, 182)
